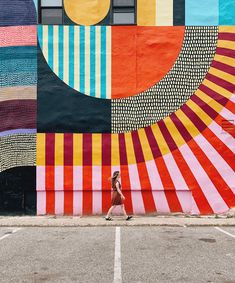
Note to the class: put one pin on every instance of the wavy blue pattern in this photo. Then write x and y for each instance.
(18, 65)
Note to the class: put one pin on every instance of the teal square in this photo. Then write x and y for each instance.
(202, 12)
(227, 12)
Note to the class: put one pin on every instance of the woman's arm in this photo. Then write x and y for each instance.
(119, 191)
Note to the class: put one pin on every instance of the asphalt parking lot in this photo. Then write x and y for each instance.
(117, 254)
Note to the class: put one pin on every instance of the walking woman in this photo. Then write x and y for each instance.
(117, 196)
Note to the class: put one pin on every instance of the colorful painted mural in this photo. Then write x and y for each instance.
(150, 93)
(18, 106)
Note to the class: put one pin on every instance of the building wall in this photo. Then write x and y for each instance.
(153, 100)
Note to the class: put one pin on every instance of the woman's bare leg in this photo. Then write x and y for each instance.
(124, 210)
(110, 211)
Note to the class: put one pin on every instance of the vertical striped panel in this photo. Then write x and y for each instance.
(41, 203)
(152, 142)
(77, 190)
(50, 46)
(126, 185)
(68, 190)
(96, 149)
(77, 149)
(106, 149)
(106, 188)
(68, 149)
(76, 58)
(61, 52)
(179, 183)
(164, 13)
(71, 56)
(59, 178)
(176, 176)
(146, 12)
(155, 180)
(80, 56)
(40, 36)
(115, 154)
(55, 43)
(136, 194)
(59, 190)
(92, 61)
(59, 202)
(146, 189)
(96, 190)
(87, 149)
(108, 62)
(87, 174)
(59, 149)
(50, 189)
(50, 149)
(106, 171)
(179, 12)
(41, 150)
(82, 59)
(161, 201)
(168, 185)
(137, 147)
(131, 159)
(87, 71)
(122, 149)
(103, 66)
(66, 55)
(45, 41)
(98, 62)
(147, 152)
(164, 149)
(41, 178)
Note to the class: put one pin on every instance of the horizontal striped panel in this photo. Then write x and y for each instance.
(18, 36)
(17, 114)
(18, 131)
(17, 150)
(18, 66)
(17, 13)
(18, 93)
(80, 56)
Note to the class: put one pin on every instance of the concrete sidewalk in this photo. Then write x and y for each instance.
(95, 221)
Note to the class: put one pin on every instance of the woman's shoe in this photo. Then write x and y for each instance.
(128, 217)
(108, 218)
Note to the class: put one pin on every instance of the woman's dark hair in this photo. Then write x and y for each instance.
(114, 178)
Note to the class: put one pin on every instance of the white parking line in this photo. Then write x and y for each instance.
(12, 232)
(225, 232)
(117, 261)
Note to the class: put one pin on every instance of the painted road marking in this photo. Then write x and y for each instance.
(117, 260)
(12, 232)
(225, 232)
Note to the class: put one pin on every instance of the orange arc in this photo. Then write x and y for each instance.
(142, 56)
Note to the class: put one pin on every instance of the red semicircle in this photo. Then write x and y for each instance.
(142, 56)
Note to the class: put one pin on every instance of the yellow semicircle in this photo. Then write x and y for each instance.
(86, 12)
